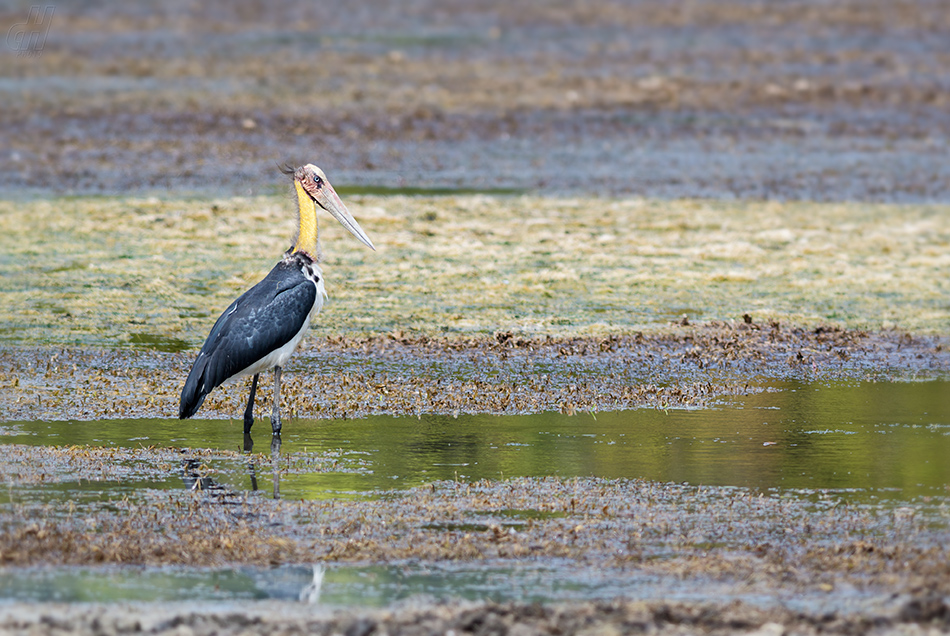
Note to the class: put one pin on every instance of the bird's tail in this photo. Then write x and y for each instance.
(195, 390)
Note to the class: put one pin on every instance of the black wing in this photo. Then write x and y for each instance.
(262, 320)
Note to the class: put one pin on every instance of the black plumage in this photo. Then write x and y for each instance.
(264, 319)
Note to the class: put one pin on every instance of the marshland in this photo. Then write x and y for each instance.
(655, 337)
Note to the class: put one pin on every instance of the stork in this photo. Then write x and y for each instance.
(262, 329)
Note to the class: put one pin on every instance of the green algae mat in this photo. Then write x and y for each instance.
(100, 271)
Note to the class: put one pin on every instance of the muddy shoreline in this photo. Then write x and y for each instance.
(402, 374)
(792, 556)
(925, 615)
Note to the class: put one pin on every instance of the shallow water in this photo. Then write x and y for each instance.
(866, 442)
(341, 585)
(380, 586)
(872, 443)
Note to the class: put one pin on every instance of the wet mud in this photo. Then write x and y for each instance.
(401, 374)
(726, 100)
(924, 616)
(742, 544)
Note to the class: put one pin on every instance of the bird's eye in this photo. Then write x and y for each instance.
(317, 181)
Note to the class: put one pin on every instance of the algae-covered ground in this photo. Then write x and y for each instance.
(156, 273)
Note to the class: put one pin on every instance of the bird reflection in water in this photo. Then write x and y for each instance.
(194, 474)
(274, 458)
(311, 592)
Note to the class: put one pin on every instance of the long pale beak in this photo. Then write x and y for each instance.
(327, 198)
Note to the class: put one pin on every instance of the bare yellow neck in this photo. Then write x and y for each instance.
(307, 234)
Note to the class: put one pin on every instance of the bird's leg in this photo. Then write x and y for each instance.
(249, 411)
(275, 415)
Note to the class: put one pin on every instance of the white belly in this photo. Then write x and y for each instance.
(279, 357)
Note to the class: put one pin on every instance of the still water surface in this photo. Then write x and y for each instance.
(886, 440)
(344, 586)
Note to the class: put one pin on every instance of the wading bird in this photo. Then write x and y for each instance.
(262, 328)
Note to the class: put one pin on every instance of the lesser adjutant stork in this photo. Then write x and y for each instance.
(262, 329)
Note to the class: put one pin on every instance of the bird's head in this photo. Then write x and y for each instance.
(313, 188)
